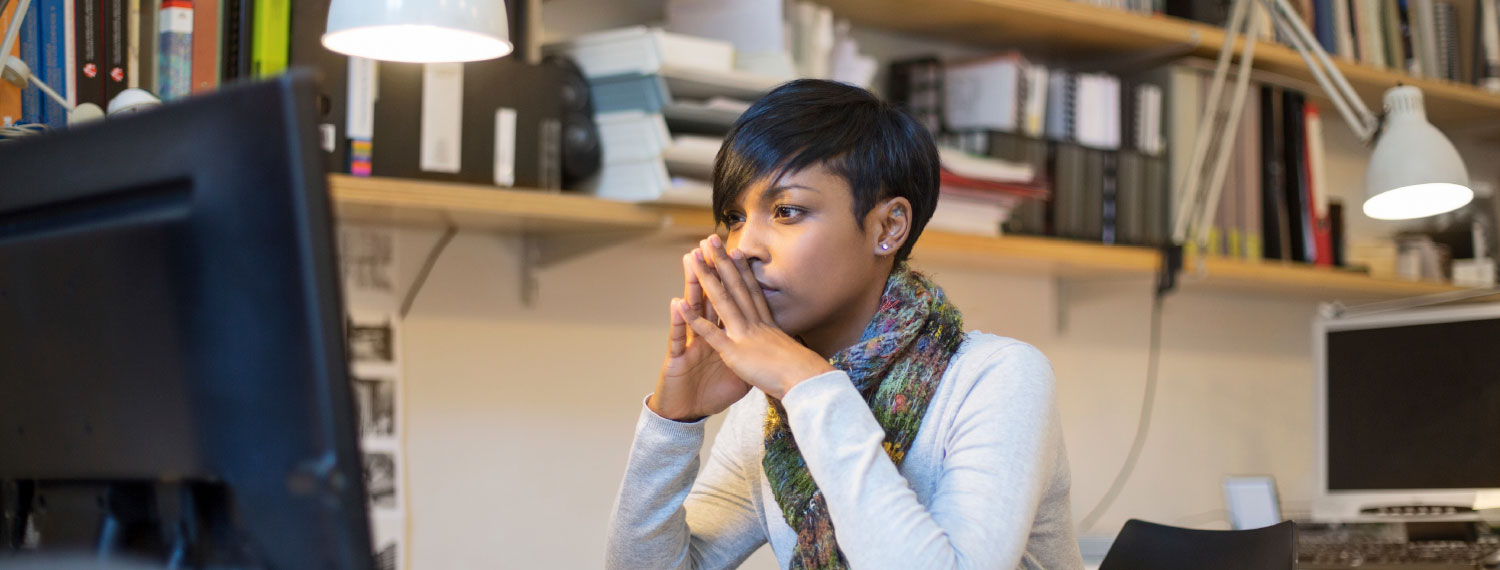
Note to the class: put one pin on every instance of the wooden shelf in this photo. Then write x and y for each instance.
(467, 206)
(1075, 29)
(1300, 280)
(531, 212)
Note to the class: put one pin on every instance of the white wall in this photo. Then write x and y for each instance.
(519, 419)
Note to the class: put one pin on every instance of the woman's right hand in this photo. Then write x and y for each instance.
(694, 382)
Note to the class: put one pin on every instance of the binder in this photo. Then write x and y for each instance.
(488, 87)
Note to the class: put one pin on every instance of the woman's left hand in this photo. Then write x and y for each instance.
(749, 342)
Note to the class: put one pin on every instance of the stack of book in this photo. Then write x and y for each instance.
(1094, 141)
(1456, 40)
(663, 102)
(979, 193)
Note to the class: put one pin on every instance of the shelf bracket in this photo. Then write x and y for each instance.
(542, 250)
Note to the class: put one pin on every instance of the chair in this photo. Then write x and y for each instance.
(1149, 546)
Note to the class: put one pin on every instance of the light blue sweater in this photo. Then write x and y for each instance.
(984, 485)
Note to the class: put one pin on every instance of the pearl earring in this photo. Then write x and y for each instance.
(885, 246)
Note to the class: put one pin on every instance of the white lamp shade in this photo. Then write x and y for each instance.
(1415, 171)
(419, 31)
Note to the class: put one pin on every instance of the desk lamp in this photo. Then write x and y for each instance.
(419, 31)
(1414, 171)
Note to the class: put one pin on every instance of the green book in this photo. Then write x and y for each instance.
(271, 41)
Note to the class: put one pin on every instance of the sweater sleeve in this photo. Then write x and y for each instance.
(996, 464)
(664, 518)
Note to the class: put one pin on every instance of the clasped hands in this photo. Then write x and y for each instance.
(710, 365)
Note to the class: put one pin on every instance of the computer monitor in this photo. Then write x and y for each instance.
(1408, 412)
(173, 381)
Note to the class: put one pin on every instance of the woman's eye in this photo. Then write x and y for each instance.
(732, 218)
(787, 211)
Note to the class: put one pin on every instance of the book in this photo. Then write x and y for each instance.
(916, 86)
(116, 49)
(1488, 74)
(1275, 225)
(55, 47)
(1249, 158)
(1129, 199)
(1343, 30)
(29, 44)
(175, 60)
(271, 30)
(645, 50)
(692, 156)
(147, 45)
(1317, 189)
(88, 75)
(1294, 159)
(237, 40)
(979, 170)
(206, 57)
(984, 94)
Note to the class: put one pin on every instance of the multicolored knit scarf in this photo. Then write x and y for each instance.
(896, 366)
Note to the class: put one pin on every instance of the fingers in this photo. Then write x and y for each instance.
(732, 278)
(695, 304)
(723, 303)
(757, 296)
(677, 334)
(710, 332)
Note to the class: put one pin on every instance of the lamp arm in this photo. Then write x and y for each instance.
(12, 31)
(1197, 200)
(1350, 106)
(1189, 190)
(1231, 128)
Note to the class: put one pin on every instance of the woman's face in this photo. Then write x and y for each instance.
(815, 265)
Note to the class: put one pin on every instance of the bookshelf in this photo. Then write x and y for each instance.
(537, 213)
(1100, 34)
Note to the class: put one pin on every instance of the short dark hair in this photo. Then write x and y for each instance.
(877, 148)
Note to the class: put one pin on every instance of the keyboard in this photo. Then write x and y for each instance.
(1427, 555)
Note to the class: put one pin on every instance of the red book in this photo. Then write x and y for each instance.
(1028, 190)
(1316, 191)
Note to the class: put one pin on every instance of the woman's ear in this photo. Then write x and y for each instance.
(892, 221)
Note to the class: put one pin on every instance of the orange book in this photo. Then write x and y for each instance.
(205, 45)
(10, 95)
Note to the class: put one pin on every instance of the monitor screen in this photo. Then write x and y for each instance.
(1413, 406)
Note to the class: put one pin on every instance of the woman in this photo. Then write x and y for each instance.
(865, 429)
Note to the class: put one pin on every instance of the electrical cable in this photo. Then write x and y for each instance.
(1147, 405)
(421, 279)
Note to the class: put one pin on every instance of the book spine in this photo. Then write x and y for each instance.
(1294, 150)
(133, 43)
(54, 71)
(205, 45)
(32, 108)
(1110, 223)
(1317, 190)
(1323, 20)
(115, 44)
(147, 46)
(175, 62)
(1489, 25)
(1274, 228)
(88, 25)
(1343, 30)
(271, 30)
